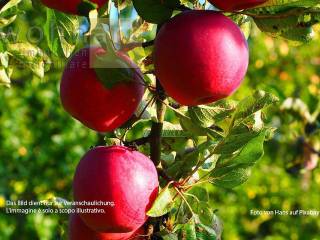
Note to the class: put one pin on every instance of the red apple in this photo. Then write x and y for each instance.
(121, 176)
(200, 57)
(85, 97)
(79, 231)
(231, 5)
(70, 6)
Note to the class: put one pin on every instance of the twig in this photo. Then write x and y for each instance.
(129, 46)
(184, 199)
(157, 126)
(137, 142)
(307, 145)
(164, 175)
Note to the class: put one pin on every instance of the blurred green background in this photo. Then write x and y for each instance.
(40, 146)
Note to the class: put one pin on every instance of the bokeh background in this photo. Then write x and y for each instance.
(40, 145)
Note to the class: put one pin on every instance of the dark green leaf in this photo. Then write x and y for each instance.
(230, 176)
(112, 70)
(188, 125)
(85, 7)
(236, 139)
(233, 171)
(184, 164)
(155, 11)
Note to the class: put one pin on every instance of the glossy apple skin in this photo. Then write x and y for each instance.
(69, 6)
(85, 98)
(120, 175)
(200, 57)
(231, 5)
(79, 231)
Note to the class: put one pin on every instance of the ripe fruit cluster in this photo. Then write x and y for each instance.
(199, 57)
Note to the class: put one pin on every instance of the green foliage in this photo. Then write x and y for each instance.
(61, 32)
(297, 18)
(155, 11)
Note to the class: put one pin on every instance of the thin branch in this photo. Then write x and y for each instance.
(157, 126)
(164, 175)
(119, 25)
(185, 200)
(129, 46)
(186, 187)
(137, 142)
(307, 145)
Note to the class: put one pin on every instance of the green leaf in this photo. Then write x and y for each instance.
(6, 21)
(188, 231)
(217, 226)
(30, 56)
(184, 164)
(205, 232)
(205, 212)
(249, 154)
(244, 23)
(291, 20)
(252, 151)
(4, 77)
(165, 235)
(230, 176)
(163, 203)
(61, 32)
(86, 6)
(233, 171)
(207, 115)
(278, 5)
(138, 130)
(238, 137)
(200, 192)
(252, 104)
(113, 70)
(194, 129)
(155, 11)
(10, 4)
